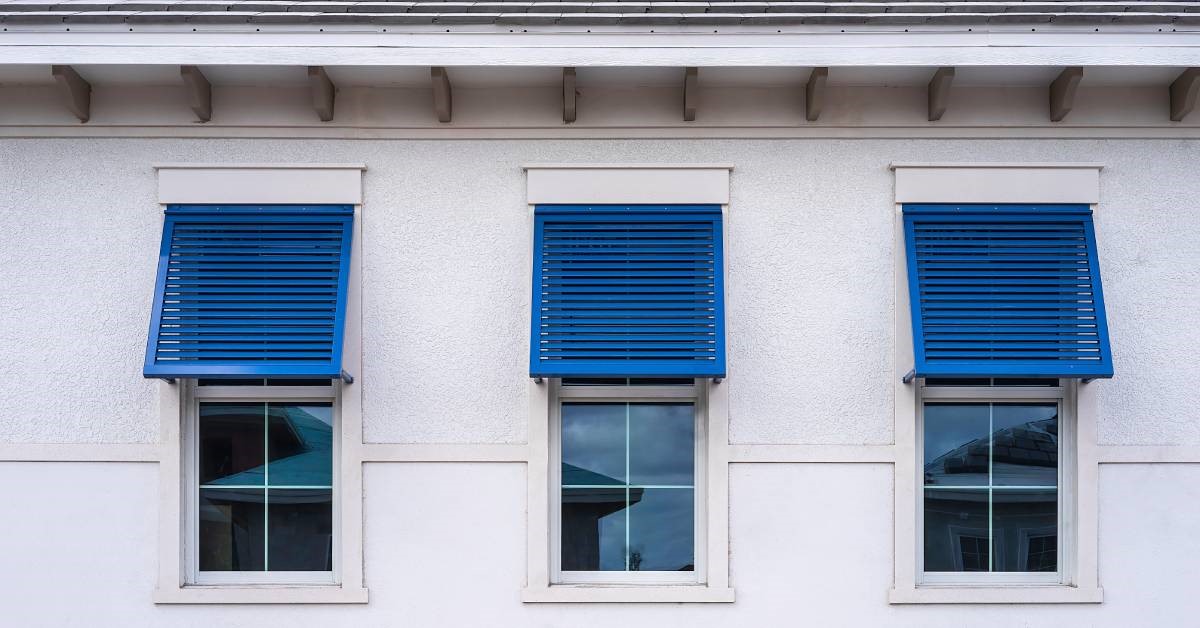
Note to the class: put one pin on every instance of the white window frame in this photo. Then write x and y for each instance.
(1063, 396)
(284, 184)
(191, 449)
(629, 394)
(992, 183)
(608, 183)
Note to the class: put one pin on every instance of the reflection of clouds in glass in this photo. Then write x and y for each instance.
(662, 444)
(593, 438)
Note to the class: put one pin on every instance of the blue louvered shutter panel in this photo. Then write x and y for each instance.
(251, 291)
(1005, 291)
(628, 291)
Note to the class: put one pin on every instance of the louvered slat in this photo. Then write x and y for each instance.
(628, 291)
(251, 291)
(1005, 291)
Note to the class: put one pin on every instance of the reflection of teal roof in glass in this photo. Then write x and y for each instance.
(576, 476)
(313, 466)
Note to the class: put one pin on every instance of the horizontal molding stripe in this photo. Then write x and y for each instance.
(519, 452)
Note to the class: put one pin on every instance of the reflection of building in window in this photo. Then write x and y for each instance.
(265, 498)
(987, 498)
(972, 552)
(1041, 550)
(1017, 454)
(582, 511)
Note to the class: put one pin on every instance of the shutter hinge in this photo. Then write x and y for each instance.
(718, 380)
(908, 377)
(347, 378)
(538, 380)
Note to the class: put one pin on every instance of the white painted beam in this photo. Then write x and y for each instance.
(322, 90)
(814, 94)
(1062, 92)
(199, 92)
(441, 93)
(569, 94)
(939, 92)
(690, 78)
(76, 92)
(1183, 93)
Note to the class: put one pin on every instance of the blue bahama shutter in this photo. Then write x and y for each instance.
(250, 291)
(1005, 291)
(628, 291)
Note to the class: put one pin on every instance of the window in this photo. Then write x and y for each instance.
(995, 492)
(627, 461)
(262, 491)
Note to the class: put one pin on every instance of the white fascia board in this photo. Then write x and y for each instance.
(665, 47)
(998, 183)
(207, 183)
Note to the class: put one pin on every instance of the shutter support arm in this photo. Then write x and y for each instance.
(346, 377)
(909, 376)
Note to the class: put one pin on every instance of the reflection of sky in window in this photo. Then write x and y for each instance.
(661, 441)
(593, 438)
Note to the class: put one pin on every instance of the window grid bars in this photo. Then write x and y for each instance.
(628, 485)
(991, 488)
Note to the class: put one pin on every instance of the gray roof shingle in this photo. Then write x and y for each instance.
(581, 13)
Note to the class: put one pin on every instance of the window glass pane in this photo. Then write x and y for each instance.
(300, 529)
(956, 444)
(661, 529)
(231, 444)
(1019, 516)
(646, 524)
(956, 529)
(662, 443)
(259, 525)
(593, 443)
(231, 529)
(300, 444)
(1025, 445)
(593, 528)
(1008, 519)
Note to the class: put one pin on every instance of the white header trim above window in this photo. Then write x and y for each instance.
(583, 184)
(997, 183)
(251, 184)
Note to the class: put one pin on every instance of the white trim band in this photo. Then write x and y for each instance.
(997, 183)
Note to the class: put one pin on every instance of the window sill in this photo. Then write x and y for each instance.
(1033, 594)
(261, 594)
(594, 593)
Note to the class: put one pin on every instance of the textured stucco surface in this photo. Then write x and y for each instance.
(465, 542)
(446, 233)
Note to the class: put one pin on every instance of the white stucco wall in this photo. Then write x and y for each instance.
(458, 559)
(445, 329)
(446, 263)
